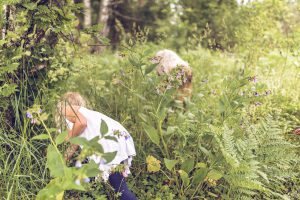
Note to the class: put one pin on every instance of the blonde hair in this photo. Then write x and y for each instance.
(68, 99)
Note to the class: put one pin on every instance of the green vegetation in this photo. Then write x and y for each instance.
(232, 140)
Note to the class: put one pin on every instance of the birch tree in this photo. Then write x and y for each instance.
(6, 12)
(87, 13)
(104, 13)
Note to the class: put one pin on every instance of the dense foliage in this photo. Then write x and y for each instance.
(231, 140)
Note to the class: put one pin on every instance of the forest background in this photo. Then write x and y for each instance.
(233, 139)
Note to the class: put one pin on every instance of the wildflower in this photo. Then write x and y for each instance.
(29, 115)
(169, 86)
(157, 90)
(78, 164)
(153, 165)
(258, 104)
(40, 111)
(268, 92)
(116, 81)
(122, 72)
(86, 180)
(33, 121)
(170, 79)
(77, 182)
(253, 79)
(256, 94)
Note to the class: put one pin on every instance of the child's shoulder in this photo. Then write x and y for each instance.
(91, 112)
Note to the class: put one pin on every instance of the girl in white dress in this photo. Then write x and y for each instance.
(83, 122)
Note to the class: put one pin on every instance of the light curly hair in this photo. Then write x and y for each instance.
(167, 60)
(67, 99)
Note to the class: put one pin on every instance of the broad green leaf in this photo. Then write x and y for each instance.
(41, 137)
(94, 143)
(55, 162)
(91, 169)
(30, 6)
(79, 141)
(52, 189)
(147, 52)
(103, 128)
(188, 165)
(7, 89)
(201, 165)
(60, 196)
(199, 175)
(170, 164)
(214, 174)
(150, 68)
(171, 129)
(61, 138)
(108, 137)
(69, 184)
(152, 133)
(184, 177)
(109, 156)
(153, 164)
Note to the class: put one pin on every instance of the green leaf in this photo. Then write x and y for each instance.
(103, 128)
(94, 143)
(199, 175)
(171, 129)
(61, 138)
(55, 162)
(91, 169)
(201, 165)
(79, 141)
(170, 164)
(109, 156)
(108, 137)
(150, 68)
(30, 6)
(7, 89)
(143, 117)
(41, 137)
(188, 165)
(52, 189)
(152, 133)
(184, 177)
(214, 174)
(69, 184)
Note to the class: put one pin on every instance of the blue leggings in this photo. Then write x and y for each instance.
(117, 181)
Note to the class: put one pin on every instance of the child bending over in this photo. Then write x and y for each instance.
(83, 122)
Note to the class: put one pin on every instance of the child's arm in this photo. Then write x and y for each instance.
(78, 120)
(79, 124)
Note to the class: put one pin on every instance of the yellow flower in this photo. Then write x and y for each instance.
(153, 165)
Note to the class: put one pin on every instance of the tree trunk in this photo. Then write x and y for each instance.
(87, 13)
(104, 13)
(6, 9)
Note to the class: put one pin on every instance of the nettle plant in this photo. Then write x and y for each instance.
(64, 177)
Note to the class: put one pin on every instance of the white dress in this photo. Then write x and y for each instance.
(124, 147)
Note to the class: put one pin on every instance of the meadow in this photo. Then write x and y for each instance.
(233, 139)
